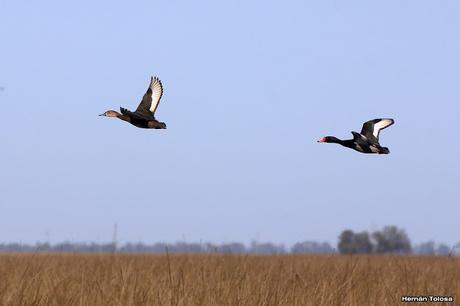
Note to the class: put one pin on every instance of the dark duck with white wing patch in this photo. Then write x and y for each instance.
(368, 140)
(144, 116)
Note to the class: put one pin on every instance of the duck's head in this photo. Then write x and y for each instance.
(110, 113)
(162, 125)
(329, 139)
(384, 150)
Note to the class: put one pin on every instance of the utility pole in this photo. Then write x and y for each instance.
(114, 238)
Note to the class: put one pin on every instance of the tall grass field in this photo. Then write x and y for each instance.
(213, 279)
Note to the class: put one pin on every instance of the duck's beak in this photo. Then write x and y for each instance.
(102, 114)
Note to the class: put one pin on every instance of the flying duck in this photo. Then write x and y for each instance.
(144, 116)
(368, 140)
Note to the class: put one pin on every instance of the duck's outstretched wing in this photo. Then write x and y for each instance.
(371, 129)
(151, 99)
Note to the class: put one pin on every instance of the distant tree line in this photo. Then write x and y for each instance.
(390, 239)
(178, 247)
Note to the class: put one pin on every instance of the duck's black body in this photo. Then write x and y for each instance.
(141, 121)
(368, 140)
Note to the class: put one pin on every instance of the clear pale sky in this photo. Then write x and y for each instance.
(249, 88)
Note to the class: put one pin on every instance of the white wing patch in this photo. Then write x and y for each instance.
(374, 149)
(381, 125)
(157, 92)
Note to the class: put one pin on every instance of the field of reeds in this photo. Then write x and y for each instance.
(121, 279)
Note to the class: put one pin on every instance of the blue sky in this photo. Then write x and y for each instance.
(249, 88)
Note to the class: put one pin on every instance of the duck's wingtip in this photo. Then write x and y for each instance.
(390, 121)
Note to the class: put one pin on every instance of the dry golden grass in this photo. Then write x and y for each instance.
(88, 279)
